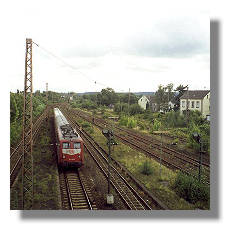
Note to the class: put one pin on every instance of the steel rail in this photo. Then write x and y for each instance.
(76, 193)
(115, 176)
(142, 138)
(15, 163)
(145, 150)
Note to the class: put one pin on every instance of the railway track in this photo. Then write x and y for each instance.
(75, 192)
(127, 193)
(17, 153)
(152, 148)
(148, 140)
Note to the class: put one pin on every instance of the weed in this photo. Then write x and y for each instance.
(146, 168)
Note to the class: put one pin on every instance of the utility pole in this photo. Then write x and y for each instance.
(27, 160)
(187, 114)
(47, 92)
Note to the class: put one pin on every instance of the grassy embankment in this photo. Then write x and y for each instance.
(46, 188)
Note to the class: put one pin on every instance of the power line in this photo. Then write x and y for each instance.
(72, 67)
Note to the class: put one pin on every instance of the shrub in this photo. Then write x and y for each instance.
(88, 104)
(132, 123)
(156, 125)
(174, 119)
(141, 125)
(123, 121)
(87, 127)
(135, 108)
(191, 189)
(175, 141)
(148, 115)
(105, 116)
(146, 168)
(204, 131)
(85, 124)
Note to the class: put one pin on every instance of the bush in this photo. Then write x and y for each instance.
(87, 127)
(132, 123)
(123, 121)
(204, 131)
(196, 117)
(141, 125)
(85, 124)
(191, 189)
(156, 125)
(129, 122)
(135, 109)
(174, 119)
(148, 115)
(146, 168)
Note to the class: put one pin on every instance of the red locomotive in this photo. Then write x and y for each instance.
(70, 149)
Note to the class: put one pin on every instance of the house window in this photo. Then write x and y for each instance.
(192, 104)
(197, 104)
(207, 96)
(183, 104)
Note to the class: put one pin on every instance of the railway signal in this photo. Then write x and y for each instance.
(197, 137)
(109, 135)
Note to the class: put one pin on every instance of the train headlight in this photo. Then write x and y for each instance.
(63, 156)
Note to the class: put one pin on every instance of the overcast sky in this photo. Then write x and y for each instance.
(119, 44)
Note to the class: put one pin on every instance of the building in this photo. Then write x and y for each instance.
(143, 102)
(171, 105)
(197, 100)
(146, 102)
(152, 103)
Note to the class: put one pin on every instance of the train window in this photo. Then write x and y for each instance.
(77, 145)
(65, 145)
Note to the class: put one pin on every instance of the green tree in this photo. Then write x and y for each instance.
(107, 97)
(161, 97)
(125, 98)
(180, 91)
(164, 94)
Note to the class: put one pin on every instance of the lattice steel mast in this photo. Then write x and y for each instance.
(27, 161)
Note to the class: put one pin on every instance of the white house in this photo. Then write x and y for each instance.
(197, 100)
(143, 102)
(148, 101)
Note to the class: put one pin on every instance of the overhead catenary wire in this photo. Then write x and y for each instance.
(72, 67)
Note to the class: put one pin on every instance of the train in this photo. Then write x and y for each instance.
(69, 144)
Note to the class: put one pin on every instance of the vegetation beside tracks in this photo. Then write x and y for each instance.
(16, 113)
(46, 185)
(161, 185)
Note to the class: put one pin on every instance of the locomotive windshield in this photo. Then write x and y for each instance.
(65, 145)
(77, 145)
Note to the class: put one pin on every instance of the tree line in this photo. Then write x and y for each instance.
(128, 102)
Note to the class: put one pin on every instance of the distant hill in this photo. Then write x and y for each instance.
(136, 93)
(87, 93)
(144, 93)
